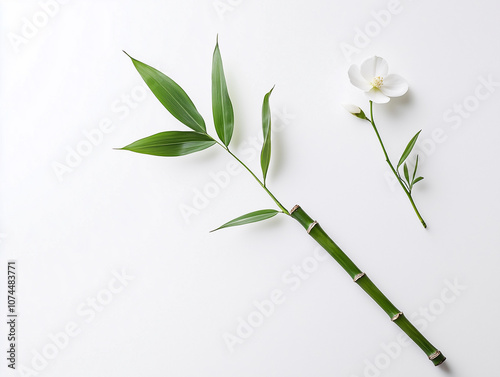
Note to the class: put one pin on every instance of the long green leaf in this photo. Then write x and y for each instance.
(171, 143)
(222, 107)
(171, 95)
(251, 217)
(408, 149)
(265, 155)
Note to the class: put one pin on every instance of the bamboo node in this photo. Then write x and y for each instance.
(441, 362)
(396, 316)
(358, 276)
(295, 207)
(313, 224)
(434, 355)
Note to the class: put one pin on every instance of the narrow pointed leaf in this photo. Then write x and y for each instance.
(171, 95)
(417, 180)
(408, 149)
(415, 169)
(171, 143)
(222, 107)
(251, 217)
(407, 176)
(265, 155)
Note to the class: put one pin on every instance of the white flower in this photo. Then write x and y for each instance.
(372, 78)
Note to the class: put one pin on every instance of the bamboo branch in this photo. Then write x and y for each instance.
(180, 143)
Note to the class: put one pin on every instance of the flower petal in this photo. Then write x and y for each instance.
(373, 67)
(377, 96)
(394, 86)
(357, 80)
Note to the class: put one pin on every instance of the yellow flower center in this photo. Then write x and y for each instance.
(377, 82)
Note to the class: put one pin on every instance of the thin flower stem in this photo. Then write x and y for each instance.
(283, 209)
(407, 192)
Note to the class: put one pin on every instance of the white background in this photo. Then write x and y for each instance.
(116, 211)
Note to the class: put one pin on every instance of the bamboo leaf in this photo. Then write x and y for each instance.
(407, 176)
(171, 143)
(417, 180)
(171, 95)
(408, 149)
(415, 169)
(265, 155)
(222, 107)
(251, 217)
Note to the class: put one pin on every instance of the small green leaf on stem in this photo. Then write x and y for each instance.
(408, 149)
(407, 176)
(415, 169)
(417, 180)
(171, 95)
(222, 107)
(251, 217)
(171, 143)
(265, 155)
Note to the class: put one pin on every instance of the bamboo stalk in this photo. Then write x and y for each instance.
(315, 231)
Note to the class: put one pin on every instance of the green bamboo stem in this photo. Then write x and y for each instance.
(315, 231)
(360, 278)
(407, 192)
